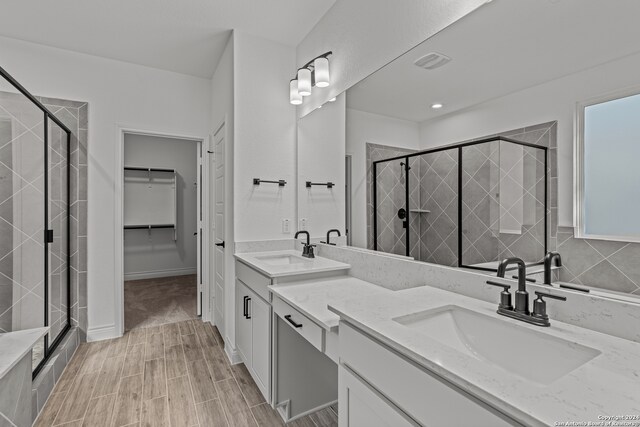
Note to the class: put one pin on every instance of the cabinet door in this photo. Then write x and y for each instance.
(243, 323)
(361, 406)
(260, 356)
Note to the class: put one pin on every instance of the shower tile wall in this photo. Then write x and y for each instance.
(22, 212)
(390, 198)
(74, 115)
(483, 175)
(480, 203)
(439, 195)
(503, 197)
(599, 263)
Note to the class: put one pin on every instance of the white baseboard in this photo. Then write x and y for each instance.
(102, 333)
(139, 275)
(232, 355)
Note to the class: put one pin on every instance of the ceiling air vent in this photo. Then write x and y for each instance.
(432, 60)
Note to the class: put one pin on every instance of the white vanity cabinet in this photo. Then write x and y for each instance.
(365, 406)
(379, 387)
(253, 326)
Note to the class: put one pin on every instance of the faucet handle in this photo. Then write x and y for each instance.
(540, 306)
(548, 295)
(505, 295)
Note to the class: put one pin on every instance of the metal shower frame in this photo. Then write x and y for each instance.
(458, 147)
(48, 115)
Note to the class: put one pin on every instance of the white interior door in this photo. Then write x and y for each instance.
(217, 226)
(199, 227)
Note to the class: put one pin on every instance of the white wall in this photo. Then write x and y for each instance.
(362, 128)
(251, 87)
(156, 254)
(264, 137)
(117, 93)
(364, 35)
(555, 100)
(321, 150)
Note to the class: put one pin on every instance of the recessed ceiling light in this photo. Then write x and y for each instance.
(436, 106)
(333, 99)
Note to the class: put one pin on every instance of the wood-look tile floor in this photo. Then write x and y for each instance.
(153, 302)
(170, 375)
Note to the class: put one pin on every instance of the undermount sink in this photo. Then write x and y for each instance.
(535, 356)
(281, 259)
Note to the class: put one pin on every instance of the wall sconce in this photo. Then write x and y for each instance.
(314, 73)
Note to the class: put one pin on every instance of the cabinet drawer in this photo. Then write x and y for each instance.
(309, 330)
(255, 281)
(426, 397)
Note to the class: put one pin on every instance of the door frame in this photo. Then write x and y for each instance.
(211, 218)
(121, 130)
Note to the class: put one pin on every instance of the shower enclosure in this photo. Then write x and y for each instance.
(34, 218)
(465, 205)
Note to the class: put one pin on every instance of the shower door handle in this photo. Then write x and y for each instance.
(402, 214)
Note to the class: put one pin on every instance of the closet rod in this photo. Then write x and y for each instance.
(134, 168)
(145, 227)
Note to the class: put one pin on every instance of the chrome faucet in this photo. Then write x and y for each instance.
(521, 311)
(548, 262)
(307, 249)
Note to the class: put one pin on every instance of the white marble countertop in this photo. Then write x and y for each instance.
(311, 297)
(258, 260)
(609, 384)
(15, 345)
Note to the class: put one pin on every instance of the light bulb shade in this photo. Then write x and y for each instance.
(294, 96)
(321, 67)
(304, 81)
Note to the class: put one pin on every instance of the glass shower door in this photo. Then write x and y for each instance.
(22, 220)
(57, 235)
(391, 212)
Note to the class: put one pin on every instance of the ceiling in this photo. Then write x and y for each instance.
(503, 47)
(185, 36)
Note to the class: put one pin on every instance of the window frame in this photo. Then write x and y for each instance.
(578, 165)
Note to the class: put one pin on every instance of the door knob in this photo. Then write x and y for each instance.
(220, 244)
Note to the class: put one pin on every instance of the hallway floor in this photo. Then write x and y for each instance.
(171, 375)
(153, 302)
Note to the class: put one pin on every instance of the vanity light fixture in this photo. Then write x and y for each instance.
(313, 73)
(436, 106)
(294, 96)
(304, 81)
(321, 66)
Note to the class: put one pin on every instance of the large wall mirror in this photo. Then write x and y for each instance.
(461, 152)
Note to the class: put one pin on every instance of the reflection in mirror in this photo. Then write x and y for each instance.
(321, 169)
(519, 76)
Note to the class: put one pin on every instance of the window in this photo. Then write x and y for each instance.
(608, 169)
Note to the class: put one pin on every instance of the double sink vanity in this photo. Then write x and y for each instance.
(312, 335)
